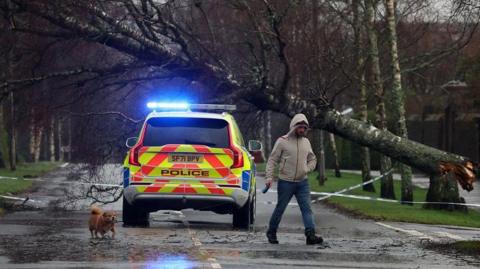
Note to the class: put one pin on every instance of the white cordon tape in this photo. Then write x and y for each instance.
(350, 188)
(78, 183)
(19, 199)
(99, 184)
(2, 177)
(339, 193)
(388, 200)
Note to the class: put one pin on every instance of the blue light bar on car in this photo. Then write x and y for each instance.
(187, 106)
(167, 106)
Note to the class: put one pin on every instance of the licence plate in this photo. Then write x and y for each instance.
(185, 158)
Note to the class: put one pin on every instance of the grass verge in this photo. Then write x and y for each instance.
(261, 167)
(470, 248)
(24, 171)
(389, 211)
(467, 246)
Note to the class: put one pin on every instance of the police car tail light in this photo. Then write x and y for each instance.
(237, 157)
(133, 158)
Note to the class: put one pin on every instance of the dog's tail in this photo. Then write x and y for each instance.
(95, 210)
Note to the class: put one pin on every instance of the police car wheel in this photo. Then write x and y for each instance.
(241, 216)
(253, 210)
(134, 216)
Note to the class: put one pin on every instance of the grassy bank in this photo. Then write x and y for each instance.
(390, 211)
(467, 246)
(261, 167)
(24, 171)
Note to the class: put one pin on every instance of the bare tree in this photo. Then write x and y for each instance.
(397, 98)
(170, 42)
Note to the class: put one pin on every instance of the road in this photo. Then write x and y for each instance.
(51, 238)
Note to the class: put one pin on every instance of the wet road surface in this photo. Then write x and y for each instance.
(51, 238)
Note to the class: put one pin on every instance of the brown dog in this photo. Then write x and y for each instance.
(102, 222)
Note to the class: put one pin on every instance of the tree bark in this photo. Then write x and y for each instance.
(4, 145)
(32, 136)
(13, 135)
(69, 154)
(420, 156)
(37, 144)
(360, 78)
(398, 99)
(51, 139)
(36, 132)
(333, 147)
(444, 189)
(320, 153)
(380, 113)
(61, 156)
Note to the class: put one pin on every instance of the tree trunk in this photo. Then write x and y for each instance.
(335, 154)
(398, 99)
(407, 151)
(380, 113)
(32, 132)
(444, 189)
(320, 153)
(37, 144)
(69, 155)
(10, 71)
(386, 182)
(360, 77)
(60, 144)
(13, 135)
(51, 139)
(4, 145)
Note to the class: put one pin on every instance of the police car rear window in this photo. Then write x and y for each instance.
(192, 131)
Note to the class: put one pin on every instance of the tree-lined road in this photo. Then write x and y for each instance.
(51, 238)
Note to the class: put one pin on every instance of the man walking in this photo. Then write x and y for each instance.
(293, 153)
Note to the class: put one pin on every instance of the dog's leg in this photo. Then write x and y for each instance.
(113, 232)
(96, 234)
(91, 233)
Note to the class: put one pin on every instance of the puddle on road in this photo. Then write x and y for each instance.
(170, 262)
(318, 256)
(65, 238)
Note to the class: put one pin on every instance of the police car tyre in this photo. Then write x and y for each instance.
(242, 216)
(253, 211)
(134, 216)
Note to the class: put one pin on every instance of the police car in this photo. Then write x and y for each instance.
(189, 156)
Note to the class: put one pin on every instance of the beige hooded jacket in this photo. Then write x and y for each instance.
(294, 155)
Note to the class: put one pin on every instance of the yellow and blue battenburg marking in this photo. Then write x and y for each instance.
(187, 169)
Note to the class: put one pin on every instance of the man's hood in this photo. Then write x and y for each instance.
(295, 120)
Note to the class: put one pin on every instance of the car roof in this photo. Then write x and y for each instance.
(188, 114)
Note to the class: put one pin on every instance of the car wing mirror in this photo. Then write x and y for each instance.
(131, 141)
(254, 145)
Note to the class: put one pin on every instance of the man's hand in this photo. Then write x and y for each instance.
(269, 182)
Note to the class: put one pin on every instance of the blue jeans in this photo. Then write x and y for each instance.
(285, 191)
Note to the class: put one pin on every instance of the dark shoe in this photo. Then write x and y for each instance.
(272, 237)
(312, 239)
